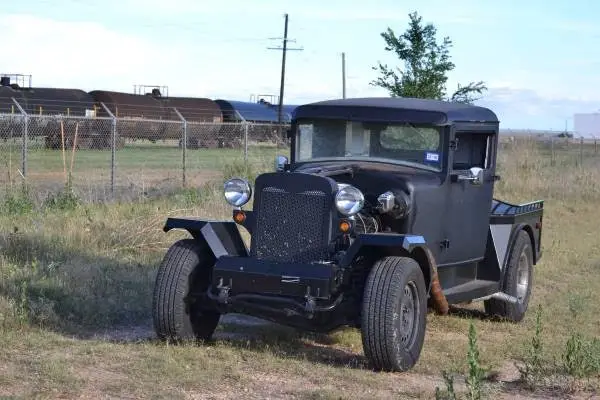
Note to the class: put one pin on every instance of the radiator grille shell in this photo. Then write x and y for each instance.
(293, 217)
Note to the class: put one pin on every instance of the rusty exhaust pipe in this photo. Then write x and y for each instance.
(440, 304)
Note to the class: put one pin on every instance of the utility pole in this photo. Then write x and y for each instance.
(282, 83)
(343, 75)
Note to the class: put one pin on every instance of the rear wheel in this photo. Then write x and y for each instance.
(394, 314)
(186, 267)
(517, 281)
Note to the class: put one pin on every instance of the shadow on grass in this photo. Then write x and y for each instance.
(288, 342)
(65, 290)
(73, 292)
(471, 313)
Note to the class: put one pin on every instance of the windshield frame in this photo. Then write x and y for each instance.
(444, 130)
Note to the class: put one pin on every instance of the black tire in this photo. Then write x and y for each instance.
(391, 282)
(521, 252)
(187, 265)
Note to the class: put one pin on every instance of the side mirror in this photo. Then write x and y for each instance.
(475, 176)
(280, 162)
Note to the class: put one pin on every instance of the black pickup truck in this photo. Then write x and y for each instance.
(384, 207)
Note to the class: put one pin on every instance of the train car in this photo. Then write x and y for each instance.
(54, 102)
(262, 115)
(139, 116)
(47, 109)
(10, 124)
(7, 105)
(203, 116)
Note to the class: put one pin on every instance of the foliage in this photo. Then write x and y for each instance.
(475, 376)
(476, 372)
(533, 369)
(18, 201)
(426, 65)
(65, 199)
(581, 358)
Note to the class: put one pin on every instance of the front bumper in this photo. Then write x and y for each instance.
(291, 288)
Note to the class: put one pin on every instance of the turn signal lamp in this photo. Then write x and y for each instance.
(239, 216)
(345, 226)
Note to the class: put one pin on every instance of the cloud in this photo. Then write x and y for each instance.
(88, 56)
(526, 108)
(77, 54)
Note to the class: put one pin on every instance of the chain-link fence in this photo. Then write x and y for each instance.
(105, 157)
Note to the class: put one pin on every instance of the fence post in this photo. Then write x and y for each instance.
(113, 148)
(246, 142)
(25, 137)
(184, 143)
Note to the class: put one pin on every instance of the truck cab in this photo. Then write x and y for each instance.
(384, 208)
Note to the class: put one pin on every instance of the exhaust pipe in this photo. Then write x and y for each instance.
(505, 297)
(500, 296)
(440, 303)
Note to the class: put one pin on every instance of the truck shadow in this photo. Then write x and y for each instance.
(286, 342)
(465, 312)
(61, 289)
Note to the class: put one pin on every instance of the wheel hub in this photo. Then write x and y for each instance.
(409, 313)
(522, 276)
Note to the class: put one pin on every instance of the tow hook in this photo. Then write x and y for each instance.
(310, 305)
(223, 296)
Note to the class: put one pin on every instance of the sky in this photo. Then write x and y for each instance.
(539, 60)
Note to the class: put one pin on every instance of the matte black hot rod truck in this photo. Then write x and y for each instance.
(384, 208)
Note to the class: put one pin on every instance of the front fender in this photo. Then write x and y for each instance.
(222, 237)
(387, 241)
(386, 244)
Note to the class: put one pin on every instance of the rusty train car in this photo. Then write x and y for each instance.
(150, 116)
(47, 107)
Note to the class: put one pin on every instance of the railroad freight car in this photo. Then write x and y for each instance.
(203, 116)
(47, 109)
(262, 115)
(10, 122)
(138, 116)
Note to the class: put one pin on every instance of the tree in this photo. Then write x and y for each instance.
(426, 63)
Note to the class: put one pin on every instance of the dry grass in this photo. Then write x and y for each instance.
(76, 284)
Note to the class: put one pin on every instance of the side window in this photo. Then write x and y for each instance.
(409, 138)
(473, 150)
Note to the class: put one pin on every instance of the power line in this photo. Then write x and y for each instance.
(284, 49)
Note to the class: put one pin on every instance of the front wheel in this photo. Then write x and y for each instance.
(186, 267)
(394, 312)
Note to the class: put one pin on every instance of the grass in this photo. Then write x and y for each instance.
(76, 287)
(140, 167)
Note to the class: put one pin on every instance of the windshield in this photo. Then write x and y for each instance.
(404, 142)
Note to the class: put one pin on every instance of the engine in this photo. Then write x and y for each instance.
(365, 223)
(371, 219)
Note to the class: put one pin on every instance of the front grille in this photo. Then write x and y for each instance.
(291, 226)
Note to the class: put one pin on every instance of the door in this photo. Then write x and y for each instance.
(468, 205)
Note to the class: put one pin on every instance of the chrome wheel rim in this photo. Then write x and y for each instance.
(522, 276)
(409, 314)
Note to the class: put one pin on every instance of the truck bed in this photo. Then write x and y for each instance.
(503, 212)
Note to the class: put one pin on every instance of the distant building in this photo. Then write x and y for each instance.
(587, 124)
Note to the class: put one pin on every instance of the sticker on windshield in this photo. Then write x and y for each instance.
(432, 157)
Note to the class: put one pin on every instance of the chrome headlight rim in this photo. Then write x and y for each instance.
(349, 200)
(237, 191)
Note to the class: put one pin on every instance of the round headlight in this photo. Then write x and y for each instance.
(349, 200)
(237, 192)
